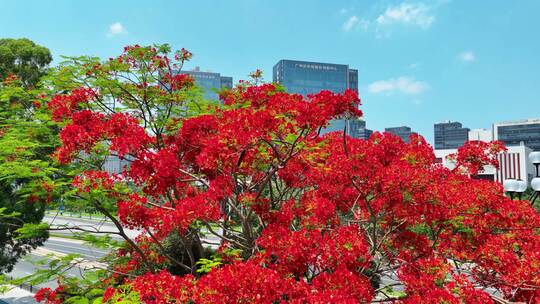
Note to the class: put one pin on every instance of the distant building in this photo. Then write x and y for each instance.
(517, 132)
(513, 164)
(359, 130)
(210, 82)
(305, 77)
(481, 135)
(114, 165)
(355, 128)
(403, 132)
(353, 80)
(226, 82)
(450, 135)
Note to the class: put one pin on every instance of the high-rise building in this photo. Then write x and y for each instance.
(353, 80)
(355, 128)
(450, 135)
(210, 82)
(514, 133)
(352, 126)
(359, 130)
(403, 132)
(304, 77)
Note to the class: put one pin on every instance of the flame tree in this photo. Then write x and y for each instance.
(299, 217)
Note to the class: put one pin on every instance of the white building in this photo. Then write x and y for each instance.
(481, 135)
(513, 163)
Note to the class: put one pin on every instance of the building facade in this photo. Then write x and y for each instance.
(226, 82)
(305, 78)
(450, 135)
(513, 164)
(403, 132)
(210, 82)
(481, 135)
(515, 133)
(359, 129)
(114, 165)
(355, 128)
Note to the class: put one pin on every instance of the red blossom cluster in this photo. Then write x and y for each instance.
(93, 180)
(49, 296)
(183, 55)
(474, 155)
(88, 128)
(63, 106)
(316, 219)
(10, 79)
(178, 81)
(250, 283)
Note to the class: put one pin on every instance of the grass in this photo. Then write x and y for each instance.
(65, 236)
(97, 216)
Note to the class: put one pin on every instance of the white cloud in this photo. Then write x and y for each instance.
(403, 84)
(417, 14)
(350, 23)
(467, 56)
(116, 29)
(354, 23)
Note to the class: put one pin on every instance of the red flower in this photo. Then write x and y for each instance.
(299, 217)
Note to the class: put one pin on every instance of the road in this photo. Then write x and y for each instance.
(62, 246)
(56, 246)
(100, 226)
(107, 226)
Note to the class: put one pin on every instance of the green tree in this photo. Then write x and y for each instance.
(143, 81)
(27, 138)
(24, 59)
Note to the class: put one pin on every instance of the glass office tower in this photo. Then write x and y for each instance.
(359, 130)
(403, 132)
(210, 82)
(355, 128)
(450, 135)
(304, 77)
(516, 132)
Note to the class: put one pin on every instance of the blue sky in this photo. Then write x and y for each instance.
(419, 62)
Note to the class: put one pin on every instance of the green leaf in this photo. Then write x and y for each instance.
(389, 291)
(206, 265)
(31, 230)
(95, 292)
(77, 300)
(98, 300)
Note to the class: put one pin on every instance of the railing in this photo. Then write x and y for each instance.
(28, 287)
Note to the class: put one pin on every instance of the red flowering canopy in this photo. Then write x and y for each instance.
(298, 216)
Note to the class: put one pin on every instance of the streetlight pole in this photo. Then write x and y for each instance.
(534, 158)
(514, 186)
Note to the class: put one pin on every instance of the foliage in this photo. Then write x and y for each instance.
(27, 138)
(23, 59)
(300, 217)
